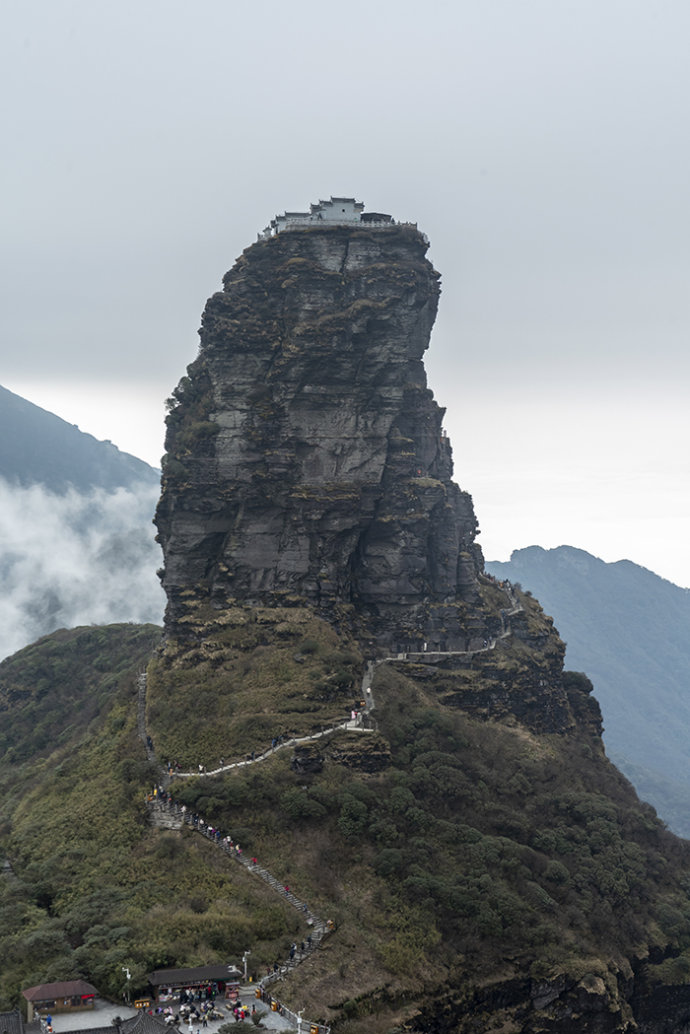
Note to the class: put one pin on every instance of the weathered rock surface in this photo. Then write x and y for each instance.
(307, 470)
(367, 752)
(306, 460)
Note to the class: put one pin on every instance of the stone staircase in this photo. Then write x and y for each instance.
(165, 813)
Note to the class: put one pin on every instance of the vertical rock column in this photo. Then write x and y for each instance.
(305, 461)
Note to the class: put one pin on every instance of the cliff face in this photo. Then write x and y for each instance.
(306, 461)
(507, 878)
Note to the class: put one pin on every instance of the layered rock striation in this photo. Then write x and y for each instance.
(306, 460)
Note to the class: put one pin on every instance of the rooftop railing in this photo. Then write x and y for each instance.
(320, 224)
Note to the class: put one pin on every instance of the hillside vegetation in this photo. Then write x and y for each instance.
(460, 854)
(255, 674)
(92, 886)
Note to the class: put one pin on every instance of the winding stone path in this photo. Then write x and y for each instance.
(295, 741)
(167, 813)
(349, 725)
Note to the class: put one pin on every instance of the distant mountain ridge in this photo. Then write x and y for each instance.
(76, 540)
(37, 447)
(629, 630)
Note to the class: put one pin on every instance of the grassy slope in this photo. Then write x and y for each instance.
(481, 851)
(259, 673)
(94, 887)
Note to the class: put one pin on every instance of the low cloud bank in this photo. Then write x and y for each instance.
(68, 560)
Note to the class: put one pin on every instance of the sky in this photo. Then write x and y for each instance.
(542, 146)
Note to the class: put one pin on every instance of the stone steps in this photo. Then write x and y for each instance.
(165, 817)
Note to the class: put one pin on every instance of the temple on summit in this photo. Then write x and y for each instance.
(339, 211)
(306, 459)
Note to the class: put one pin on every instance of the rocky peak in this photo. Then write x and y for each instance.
(306, 460)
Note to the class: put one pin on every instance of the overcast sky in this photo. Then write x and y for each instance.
(543, 145)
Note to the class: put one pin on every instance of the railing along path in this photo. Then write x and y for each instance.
(168, 812)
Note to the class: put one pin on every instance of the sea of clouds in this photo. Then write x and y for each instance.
(76, 559)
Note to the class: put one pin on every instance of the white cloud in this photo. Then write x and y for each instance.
(68, 560)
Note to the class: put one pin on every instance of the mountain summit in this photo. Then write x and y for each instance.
(385, 729)
(306, 459)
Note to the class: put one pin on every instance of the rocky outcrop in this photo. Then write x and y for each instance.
(606, 1000)
(306, 461)
(367, 752)
(560, 1005)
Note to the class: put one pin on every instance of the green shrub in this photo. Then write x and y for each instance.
(353, 816)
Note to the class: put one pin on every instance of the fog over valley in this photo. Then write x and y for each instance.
(76, 559)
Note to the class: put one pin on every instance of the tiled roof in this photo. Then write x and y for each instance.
(140, 1024)
(193, 976)
(144, 1024)
(11, 1022)
(91, 1030)
(64, 989)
